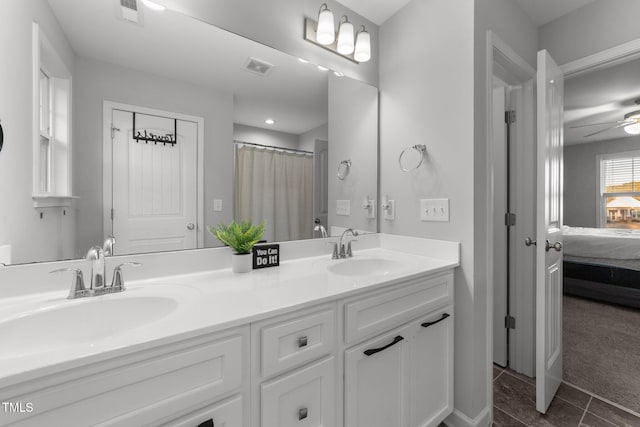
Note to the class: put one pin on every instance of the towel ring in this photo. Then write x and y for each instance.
(343, 169)
(420, 148)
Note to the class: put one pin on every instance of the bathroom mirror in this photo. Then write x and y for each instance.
(164, 107)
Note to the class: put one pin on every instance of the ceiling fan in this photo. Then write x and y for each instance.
(630, 124)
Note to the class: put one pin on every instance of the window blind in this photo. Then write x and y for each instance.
(621, 175)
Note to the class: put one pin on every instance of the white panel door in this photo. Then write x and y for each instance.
(154, 185)
(549, 231)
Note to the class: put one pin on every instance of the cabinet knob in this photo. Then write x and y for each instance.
(302, 342)
(302, 414)
(208, 423)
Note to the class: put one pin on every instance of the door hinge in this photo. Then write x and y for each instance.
(113, 131)
(510, 117)
(509, 219)
(509, 322)
(113, 212)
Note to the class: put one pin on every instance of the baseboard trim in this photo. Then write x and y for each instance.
(459, 419)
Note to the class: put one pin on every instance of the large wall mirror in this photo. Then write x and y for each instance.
(172, 125)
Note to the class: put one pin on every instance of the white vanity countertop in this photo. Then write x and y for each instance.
(219, 299)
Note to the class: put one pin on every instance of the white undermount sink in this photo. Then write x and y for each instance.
(80, 322)
(365, 267)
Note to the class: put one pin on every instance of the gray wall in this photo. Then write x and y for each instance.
(426, 91)
(32, 238)
(353, 135)
(595, 27)
(264, 136)
(97, 81)
(580, 178)
(279, 24)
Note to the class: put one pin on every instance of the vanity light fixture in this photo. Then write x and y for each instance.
(363, 45)
(355, 47)
(345, 36)
(270, 121)
(325, 33)
(153, 5)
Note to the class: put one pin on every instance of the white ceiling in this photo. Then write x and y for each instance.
(178, 47)
(376, 11)
(545, 11)
(602, 96)
(540, 11)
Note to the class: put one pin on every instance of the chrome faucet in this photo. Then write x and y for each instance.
(319, 227)
(344, 251)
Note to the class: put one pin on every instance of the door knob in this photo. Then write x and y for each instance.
(529, 241)
(190, 226)
(557, 246)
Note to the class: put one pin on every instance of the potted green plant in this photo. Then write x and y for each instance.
(241, 237)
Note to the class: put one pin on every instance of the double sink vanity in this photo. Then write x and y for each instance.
(362, 341)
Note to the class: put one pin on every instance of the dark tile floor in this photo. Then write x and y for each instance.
(514, 400)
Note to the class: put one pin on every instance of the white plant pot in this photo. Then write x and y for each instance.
(241, 263)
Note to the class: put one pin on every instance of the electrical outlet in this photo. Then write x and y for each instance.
(434, 210)
(389, 214)
(217, 205)
(343, 207)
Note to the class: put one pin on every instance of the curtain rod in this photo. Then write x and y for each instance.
(291, 150)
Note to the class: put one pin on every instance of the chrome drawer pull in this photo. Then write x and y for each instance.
(302, 342)
(302, 414)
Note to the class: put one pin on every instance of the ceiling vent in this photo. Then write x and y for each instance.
(257, 66)
(129, 10)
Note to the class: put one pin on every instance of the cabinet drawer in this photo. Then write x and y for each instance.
(296, 341)
(367, 316)
(227, 413)
(153, 388)
(305, 397)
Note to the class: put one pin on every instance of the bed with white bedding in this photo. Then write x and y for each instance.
(602, 264)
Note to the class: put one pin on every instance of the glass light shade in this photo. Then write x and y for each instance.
(345, 38)
(363, 47)
(326, 32)
(633, 129)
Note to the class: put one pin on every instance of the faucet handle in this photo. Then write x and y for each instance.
(117, 284)
(335, 254)
(77, 283)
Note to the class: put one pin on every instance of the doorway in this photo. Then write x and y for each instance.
(152, 179)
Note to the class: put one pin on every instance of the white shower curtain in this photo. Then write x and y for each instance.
(277, 187)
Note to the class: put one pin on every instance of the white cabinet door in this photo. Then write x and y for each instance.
(376, 378)
(432, 369)
(305, 397)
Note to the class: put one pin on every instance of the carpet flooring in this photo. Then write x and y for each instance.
(602, 350)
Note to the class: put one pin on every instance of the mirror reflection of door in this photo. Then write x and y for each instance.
(321, 183)
(155, 190)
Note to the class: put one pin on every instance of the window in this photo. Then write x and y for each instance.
(52, 125)
(619, 194)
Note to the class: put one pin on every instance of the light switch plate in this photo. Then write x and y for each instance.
(343, 207)
(389, 214)
(371, 212)
(434, 210)
(217, 205)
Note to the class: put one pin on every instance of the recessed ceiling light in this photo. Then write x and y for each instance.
(338, 73)
(321, 68)
(153, 5)
(270, 121)
(304, 61)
